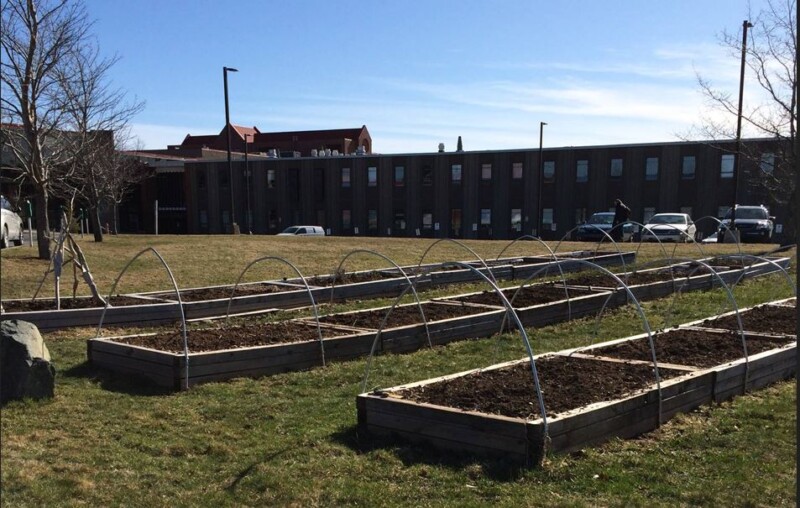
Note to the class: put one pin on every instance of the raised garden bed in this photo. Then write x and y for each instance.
(495, 410)
(216, 355)
(773, 319)
(81, 302)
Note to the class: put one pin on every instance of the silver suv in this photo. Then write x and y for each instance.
(753, 222)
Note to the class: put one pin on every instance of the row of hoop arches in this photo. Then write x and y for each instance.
(511, 321)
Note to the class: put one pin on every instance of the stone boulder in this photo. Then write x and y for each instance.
(25, 368)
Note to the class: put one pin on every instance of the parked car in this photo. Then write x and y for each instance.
(599, 223)
(10, 225)
(303, 231)
(669, 227)
(754, 223)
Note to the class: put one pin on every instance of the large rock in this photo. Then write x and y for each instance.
(25, 369)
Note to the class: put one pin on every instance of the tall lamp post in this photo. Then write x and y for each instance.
(540, 225)
(738, 155)
(234, 226)
(247, 186)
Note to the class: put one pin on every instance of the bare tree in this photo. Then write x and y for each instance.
(128, 171)
(96, 114)
(36, 37)
(771, 58)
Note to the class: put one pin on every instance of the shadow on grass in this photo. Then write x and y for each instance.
(112, 381)
(409, 453)
(249, 469)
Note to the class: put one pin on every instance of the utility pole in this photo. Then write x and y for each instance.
(540, 224)
(738, 155)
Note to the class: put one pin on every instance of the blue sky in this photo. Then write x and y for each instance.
(421, 72)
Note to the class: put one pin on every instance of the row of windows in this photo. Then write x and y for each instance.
(688, 169)
(399, 218)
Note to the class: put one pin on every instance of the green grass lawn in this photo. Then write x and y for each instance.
(291, 439)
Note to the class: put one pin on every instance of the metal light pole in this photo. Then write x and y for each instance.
(540, 224)
(247, 187)
(234, 227)
(738, 155)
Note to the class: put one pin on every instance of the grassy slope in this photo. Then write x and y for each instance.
(291, 439)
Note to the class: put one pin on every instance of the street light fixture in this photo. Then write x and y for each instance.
(247, 184)
(738, 155)
(234, 226)
(540, 225)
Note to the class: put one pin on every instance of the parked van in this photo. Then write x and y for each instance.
(303, 231)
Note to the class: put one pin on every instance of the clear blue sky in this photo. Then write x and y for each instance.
(420, 72)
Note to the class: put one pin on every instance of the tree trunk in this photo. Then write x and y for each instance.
(42, 224)
(94, 218)
(115, 211)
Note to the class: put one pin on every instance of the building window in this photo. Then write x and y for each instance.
(427, 175)
(516, 171)
(615, 170)
(582, 171)
(648, 213)
(687, 210)
(203, 220)
(516, 219)
(346, 223)
(549, 171)
(651, 169)
(399, 176)
(455, 221)
(486, 172)
(547, 216)
(226, 219)
(455, 173)
(427, 220)
(767, 163)
(345, 177)
(272, 221)
(726, 166)
(271, 179)
(580, 215)
(486, 216)
(399, 220)
(372, 176)
(688, 168)
(372, 219)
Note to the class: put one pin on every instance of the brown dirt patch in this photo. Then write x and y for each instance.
(695, 348)
(527, 296)
(211, 339)
(69, 303)
(765, 318)
(635, 278)
(401, 315)
(202, 294)
(567, 383)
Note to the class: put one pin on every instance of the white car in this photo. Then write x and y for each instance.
(303, 231)
(10, 225)
(669, 227)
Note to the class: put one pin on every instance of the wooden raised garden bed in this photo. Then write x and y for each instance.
(85, 311)
(590, 394)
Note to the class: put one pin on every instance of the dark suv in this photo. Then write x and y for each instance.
(753, 222)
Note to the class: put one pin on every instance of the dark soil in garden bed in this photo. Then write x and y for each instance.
(69, 303)
(694, 348)
(231, 338)
(772, 319)
(527, 296)
(567, 383)
(401, 315)
(353, 278)
(678, 274)
(201, 294)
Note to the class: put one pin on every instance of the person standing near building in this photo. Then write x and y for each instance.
(621, 215)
